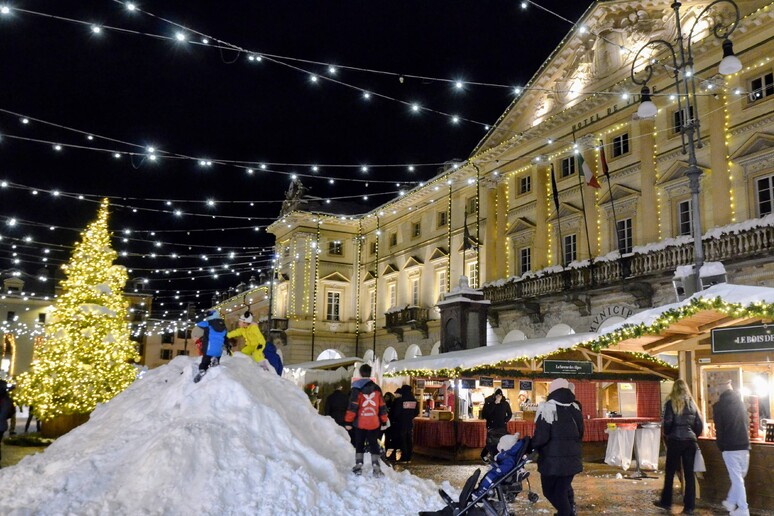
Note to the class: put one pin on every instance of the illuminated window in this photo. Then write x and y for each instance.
(333, 306)
(473, 274)
(415, 291)
(392, 292)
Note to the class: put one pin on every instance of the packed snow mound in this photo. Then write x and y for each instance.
(241, 441)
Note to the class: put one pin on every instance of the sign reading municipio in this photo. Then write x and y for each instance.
(567, 367)
(740, 339)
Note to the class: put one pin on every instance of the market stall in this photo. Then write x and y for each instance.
(612, 387)
(722, 333)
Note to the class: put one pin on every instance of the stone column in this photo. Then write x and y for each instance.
(502, 229)
(491, 254)
(540, 243)
(719, 182)
(647, 230)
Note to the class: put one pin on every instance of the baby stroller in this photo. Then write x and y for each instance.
(497, 490)
(493, 436)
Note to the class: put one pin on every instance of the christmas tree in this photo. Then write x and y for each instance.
(86, 358)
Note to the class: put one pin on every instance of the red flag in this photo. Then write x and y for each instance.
(603, 161)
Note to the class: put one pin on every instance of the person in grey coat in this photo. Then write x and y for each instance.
(733, 438)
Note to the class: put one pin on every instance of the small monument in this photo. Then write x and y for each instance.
(463, 318)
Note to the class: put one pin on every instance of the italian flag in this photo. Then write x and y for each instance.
(591, 179)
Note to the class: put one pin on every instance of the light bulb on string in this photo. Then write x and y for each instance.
(367, 95)
(96, 29)
(180, 36)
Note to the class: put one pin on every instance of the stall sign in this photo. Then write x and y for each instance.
(567, 367)
(507, 383)
(486, 382)
(525, 385)
(468, 383)
(757, 337)
(420, 385)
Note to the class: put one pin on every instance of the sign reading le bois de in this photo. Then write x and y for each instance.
(567, 367)
(739, 339)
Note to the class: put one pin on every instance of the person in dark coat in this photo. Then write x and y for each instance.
(336, 405)
(497, 412)
(557, 439)
(390, 443)
(682, 425)
(405, 409)
(7, 410)
(733, 439)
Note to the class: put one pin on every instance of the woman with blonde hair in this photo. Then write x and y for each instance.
(682, 424)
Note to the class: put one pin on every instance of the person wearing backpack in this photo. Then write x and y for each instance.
(212, 342)
(7, 410)
(367, 414)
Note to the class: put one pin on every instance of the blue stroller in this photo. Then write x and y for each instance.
(499, 487)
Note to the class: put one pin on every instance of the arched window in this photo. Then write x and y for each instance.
(329, 354)
(413, 351)
(436, 348)
(560, 329)
(390, 355)
(368, 356)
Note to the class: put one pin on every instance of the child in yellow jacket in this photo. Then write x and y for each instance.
(254, 340)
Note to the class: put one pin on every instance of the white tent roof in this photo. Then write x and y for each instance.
(331, 363)
(469, 358)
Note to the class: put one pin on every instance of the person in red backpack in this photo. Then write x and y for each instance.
(367, 413)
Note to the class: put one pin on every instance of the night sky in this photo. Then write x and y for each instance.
(216, 104)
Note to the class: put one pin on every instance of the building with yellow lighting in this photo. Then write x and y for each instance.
(368, 284)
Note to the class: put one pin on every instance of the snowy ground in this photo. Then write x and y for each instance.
(242, 441)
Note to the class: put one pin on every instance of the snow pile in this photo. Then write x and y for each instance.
(242, 441)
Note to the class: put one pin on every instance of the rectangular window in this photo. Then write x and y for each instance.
(335, 247)
(568, 166)
(470, 206)
(332, 307)
(620, 145)
(525, 260)
(166, 354)
(525, 184)
(167, 337)
(373, 248)
(183, 334)
(415, 291)
(679, 119)
(443, 218)
(11, 316)
(440, 283)
(42, 317)
(393, 239)
(416, 229)
(765, 194)
(684, 218)
(392, 290)
(762, 87)
(372, 303)
(624, 235)
(570, 248)
(473, 274)
(182, 352)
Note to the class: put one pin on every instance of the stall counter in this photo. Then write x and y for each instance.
(760, 476)
(472, 432)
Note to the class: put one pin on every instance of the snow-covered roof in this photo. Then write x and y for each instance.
(469, 358)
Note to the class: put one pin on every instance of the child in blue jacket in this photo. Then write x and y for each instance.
(510, 449)
(212, 342)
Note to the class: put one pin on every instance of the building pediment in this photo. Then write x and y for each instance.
(336, 277)
(674, 173)
(620, 193)
(519, 225)
(566, 210)
(758, 145)
(439, 253)
(369, 276)
(389, 269)
(413, 261)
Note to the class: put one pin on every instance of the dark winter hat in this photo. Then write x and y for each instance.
(365, 371)
(405, 389)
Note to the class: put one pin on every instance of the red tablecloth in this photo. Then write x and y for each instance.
(471, 433)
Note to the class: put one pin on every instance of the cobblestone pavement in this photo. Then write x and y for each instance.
(600, 489)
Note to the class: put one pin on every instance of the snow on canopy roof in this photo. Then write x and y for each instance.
(737, 294)
(469, 358)
(331, 363)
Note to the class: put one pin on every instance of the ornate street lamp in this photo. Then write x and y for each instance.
(685, 86)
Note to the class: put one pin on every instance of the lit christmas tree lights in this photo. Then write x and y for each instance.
(87, 355)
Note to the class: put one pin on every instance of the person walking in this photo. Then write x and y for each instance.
(405, 408)
(7, 411)
(367, 414)
(212, 342)
(682, 425)
(254, 339)
(733, 439)
(557, 439)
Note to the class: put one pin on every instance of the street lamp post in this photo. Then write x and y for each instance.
(690, 133)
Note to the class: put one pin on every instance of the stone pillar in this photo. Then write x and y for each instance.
(540, 243)
(719, 182)
(502, 228)
(463, 318)
(489, 271)
(647, 230)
